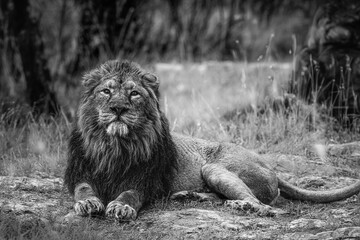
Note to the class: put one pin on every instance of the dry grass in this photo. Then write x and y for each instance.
(234, 102)
(33, 146)
(216, 101)
(12, 228)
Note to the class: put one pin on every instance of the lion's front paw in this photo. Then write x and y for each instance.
(89, 206)
(120, 211)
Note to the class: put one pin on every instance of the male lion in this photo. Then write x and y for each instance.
(122, 154)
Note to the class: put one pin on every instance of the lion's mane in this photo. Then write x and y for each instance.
(144, 160)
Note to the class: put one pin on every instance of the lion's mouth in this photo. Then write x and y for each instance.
(117, 128)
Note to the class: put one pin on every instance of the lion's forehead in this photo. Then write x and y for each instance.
(124, 83)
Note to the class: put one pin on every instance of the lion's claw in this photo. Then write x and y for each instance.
(89, 206)
(120, 211)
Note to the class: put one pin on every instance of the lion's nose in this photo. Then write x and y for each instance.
(119, 110)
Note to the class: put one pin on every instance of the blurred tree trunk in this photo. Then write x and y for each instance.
(175, 19)
(24, 38)
(106, 28)
(229, 43)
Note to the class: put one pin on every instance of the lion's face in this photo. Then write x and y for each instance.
(121, 104)
(120, 99)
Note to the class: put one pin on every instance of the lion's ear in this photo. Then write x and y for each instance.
(151, 80)
(90, 79)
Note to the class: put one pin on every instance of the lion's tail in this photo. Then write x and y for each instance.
(288, 190)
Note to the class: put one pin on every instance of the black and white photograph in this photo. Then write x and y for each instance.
(179, 119)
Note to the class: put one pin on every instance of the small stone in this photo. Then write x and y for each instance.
(230, 226)
(307, 223)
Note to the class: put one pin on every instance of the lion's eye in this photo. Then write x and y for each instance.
(134, 93)
(106, 91)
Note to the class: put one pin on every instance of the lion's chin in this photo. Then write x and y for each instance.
(117, 128)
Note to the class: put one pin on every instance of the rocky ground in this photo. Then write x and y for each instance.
(40, 199)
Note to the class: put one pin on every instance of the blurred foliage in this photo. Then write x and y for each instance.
(22, 57)
(329, 66)
(70, 36)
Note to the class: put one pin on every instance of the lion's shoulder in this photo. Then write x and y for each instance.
(191, 149)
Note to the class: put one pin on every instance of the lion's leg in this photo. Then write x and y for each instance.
(86, 202)
(125, 206)
(227, 183)
(232, 187)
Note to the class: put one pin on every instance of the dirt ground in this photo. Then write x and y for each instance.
(43, 198)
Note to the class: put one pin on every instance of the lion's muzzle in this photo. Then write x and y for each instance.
(114, 122)
(118, 110)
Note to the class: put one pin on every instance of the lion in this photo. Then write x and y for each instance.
(122, 155)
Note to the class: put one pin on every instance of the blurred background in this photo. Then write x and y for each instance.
(46, 45)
